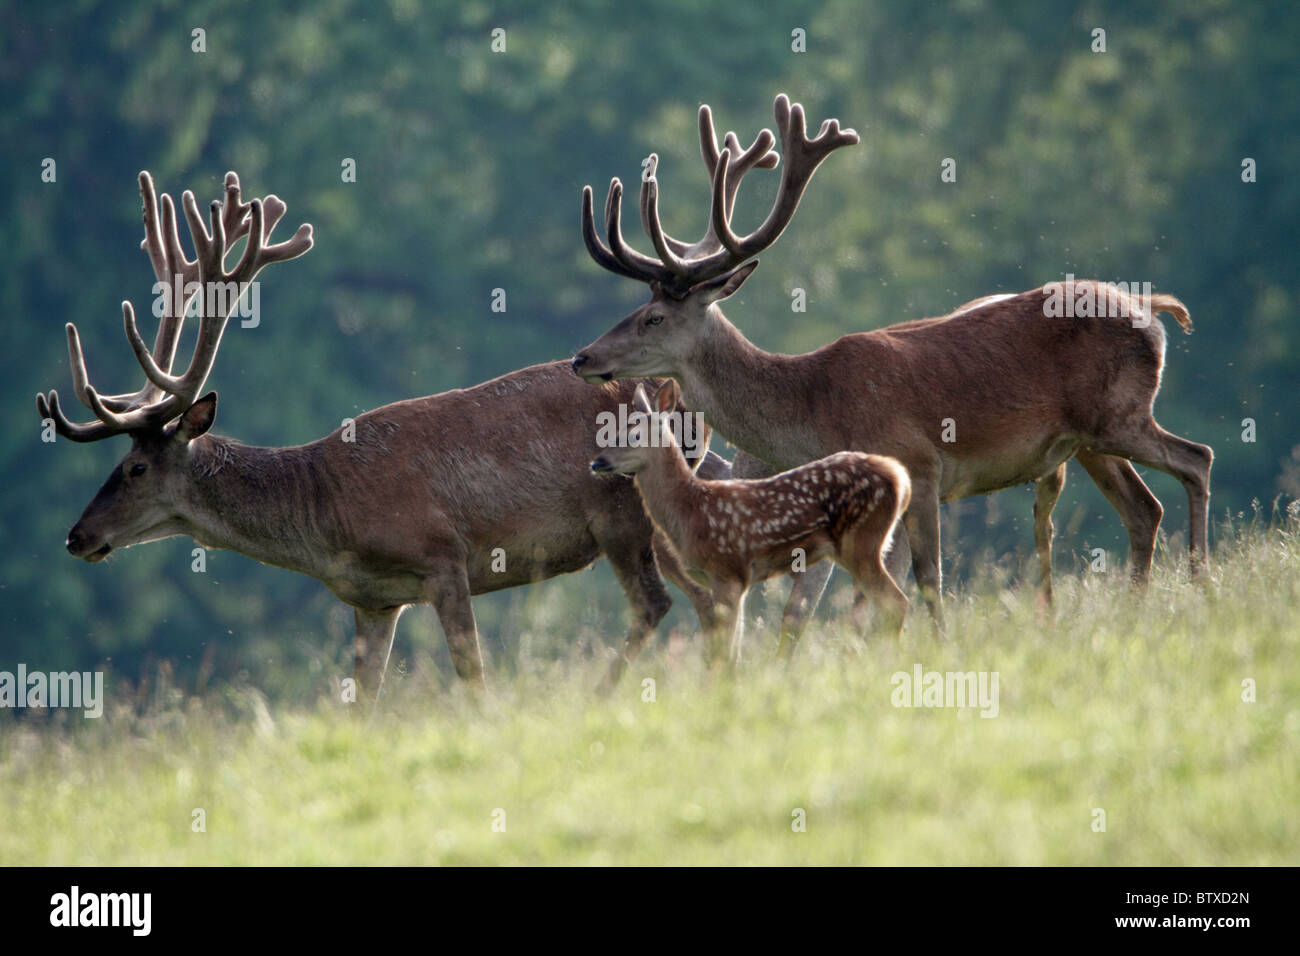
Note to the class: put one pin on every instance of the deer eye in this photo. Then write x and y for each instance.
(138, 469)
(654, 320)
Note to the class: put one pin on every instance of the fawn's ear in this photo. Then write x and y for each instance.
(639, 401)
(666, 397)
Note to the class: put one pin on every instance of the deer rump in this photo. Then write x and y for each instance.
(1019, 388)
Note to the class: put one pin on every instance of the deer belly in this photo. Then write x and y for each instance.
(794, 557)
(502, 567)
(372, 588)
(963, 477)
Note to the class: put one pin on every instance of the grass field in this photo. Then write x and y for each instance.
(1126, 703)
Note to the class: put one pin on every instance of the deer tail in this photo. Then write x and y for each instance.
(1168, 303)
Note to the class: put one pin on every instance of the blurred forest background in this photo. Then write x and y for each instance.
(1124, 165)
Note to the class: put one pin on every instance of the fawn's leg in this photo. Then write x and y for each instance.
(670, 565)
(728, 596)
(863, 552)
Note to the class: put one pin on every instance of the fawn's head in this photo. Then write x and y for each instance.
(141, 499)
(687, 279)
(649, 433)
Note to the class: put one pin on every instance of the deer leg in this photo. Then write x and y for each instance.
(862, 551)
(670, 564)
(876, 585)
(450, 596)
(899, 556)
(1047, 491)
(805, 595)
(728, 597)
(738, 632)
(922, 522)
(638, 573)
(1148, 444)
(371, 648)
(1138, 508)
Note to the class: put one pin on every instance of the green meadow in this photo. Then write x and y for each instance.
(1131, 728)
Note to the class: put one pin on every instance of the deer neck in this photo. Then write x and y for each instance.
(669, 490)
(257, 501)
(759, 401)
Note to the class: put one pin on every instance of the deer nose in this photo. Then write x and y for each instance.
(74, 543)
(579, 361)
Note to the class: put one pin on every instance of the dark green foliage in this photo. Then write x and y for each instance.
(1124, 165)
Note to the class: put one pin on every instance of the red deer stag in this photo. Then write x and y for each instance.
(729, 534)
(426, 501)
(1023, 392)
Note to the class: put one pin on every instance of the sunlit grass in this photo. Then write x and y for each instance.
(1126, 703)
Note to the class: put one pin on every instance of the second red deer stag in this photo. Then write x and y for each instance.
(732, 533)
(421, 501)
(1000, 392)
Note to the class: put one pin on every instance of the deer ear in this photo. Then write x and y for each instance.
(639, 401)
(198, 418)
(725, 285)
(666, 397)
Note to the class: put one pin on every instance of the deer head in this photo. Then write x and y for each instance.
(139, 501)
(687, 280)
(649, 435)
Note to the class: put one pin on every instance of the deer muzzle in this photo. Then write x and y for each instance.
(580, 364)
(81, 545)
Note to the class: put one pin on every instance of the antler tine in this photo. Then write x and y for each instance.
(762, 155)
(802, 157)
(665, 245)
(273, 208)
(646, 268)
(47, 406)
(173, 267)
(77, 365)
(256, 255)
(759, 155)
(650, 213)
(164, 395)
(719, 221)
(595, 247)
(682, 264)
(708, 138)
(300, 242)
(152, 242)
(206, 252)
(234, 210)
(116, 414)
